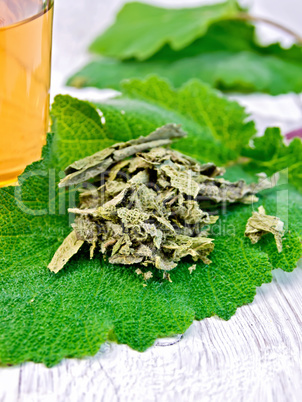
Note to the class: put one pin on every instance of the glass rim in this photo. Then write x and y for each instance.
(49, 4)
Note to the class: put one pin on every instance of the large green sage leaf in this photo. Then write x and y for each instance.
(45, 317)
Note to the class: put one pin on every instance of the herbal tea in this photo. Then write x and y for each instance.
(25, 55)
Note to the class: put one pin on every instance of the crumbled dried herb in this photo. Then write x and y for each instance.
(192, 268)
(260, 224)
(147, 204)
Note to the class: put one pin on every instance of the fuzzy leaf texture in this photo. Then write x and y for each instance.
(270, 154)
(218, 129)
(226, 56)
(45, 317)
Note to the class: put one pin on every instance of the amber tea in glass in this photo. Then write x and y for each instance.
(25, 57)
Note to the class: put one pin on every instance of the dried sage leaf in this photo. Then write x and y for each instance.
(94, 165)
(259, 224)
(68, 248)
(149, 205)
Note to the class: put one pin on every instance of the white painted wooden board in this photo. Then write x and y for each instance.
(256, 356)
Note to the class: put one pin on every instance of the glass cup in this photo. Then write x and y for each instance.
(25, 58)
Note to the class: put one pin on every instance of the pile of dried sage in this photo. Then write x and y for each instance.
(143, 203)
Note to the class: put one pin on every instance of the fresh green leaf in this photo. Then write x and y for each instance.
(45, 317)
(228, 71)
(232, 36)
(269, 154)
(227, 57)
(218, 129)
(77, 124)
(141, 30)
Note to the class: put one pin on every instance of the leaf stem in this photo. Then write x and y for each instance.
(248, 17)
